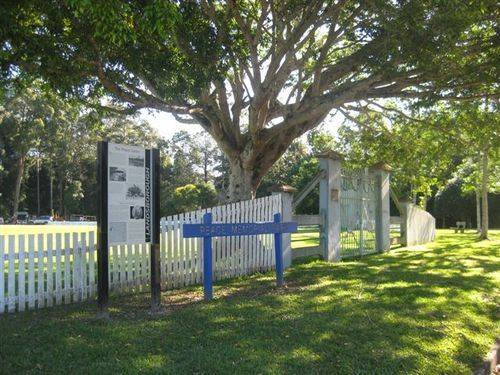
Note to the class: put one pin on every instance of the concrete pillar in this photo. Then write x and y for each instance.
(329, 204)
(286, 192)
(383, 211)
(404, 212)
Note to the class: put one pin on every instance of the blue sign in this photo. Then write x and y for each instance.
(237, 229)
(207, 230)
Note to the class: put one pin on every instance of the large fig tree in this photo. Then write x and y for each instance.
(255, 74)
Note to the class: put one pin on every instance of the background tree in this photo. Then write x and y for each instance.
(429, 148)
(422, 157)
(189, 173)
(24, 116)
(475, 127)
(255, 74)
(38, 128)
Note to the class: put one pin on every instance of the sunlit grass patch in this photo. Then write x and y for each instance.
(424, 310)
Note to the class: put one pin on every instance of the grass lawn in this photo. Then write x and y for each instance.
(305, 237)
(426, 310)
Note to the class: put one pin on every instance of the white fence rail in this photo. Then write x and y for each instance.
(53, 269)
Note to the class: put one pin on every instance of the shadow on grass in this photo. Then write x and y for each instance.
(425, 310)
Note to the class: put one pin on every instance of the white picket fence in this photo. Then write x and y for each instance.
(53, 269)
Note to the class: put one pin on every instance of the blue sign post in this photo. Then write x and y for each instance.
(207, 230)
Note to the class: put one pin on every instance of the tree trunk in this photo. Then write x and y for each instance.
(60, 195)
(17, 187)
(205, 167)
(478, 210)
(51, 193)
(484, 196)
(423, 202)
(240, 182)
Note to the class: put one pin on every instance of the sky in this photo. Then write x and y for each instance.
(167, 125)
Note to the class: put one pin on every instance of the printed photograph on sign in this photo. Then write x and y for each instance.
(136, 212)
(134, 192)
(117, 174)
(117, 232)
(136, 162)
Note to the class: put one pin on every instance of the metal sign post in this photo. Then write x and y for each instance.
(207, 230)
(102, 229)
(155, 238)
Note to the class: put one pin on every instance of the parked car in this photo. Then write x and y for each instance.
(22, 217)
(44, 219)
(78, 217)
(1, 220)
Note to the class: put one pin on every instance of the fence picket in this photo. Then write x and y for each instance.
(145, 265)
(270, 237)
(176, 251)
(242, 240)
(199, 251)
(196, 245)
(163, 253)
(267, 237)
(263, 238)
(137, 269)
(122, 262)
(258, 259)
(275, 209)
(192, 254)
(11, 276)
(21, 276)
(41, 271)
(2, 274)
(216, 246)
(232, 241)
(58, 270)
(239, 248)
(257, 240)
(114, 263)
(184, 253)
(130, 267)
(83, 267)
(67, 268)
(92, 286)
(226, 244)
(50, 270)
(246, 239)
(168, 251)
(182, 265)
(76, 268)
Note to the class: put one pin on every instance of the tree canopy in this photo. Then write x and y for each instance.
(255, 74)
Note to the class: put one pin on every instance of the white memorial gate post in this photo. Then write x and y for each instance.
(329, 204)
(286, 192)
(383, 214)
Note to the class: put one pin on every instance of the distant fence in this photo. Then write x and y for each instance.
(72, 223)
(54, 269)
(417, 225)
(395, 230)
